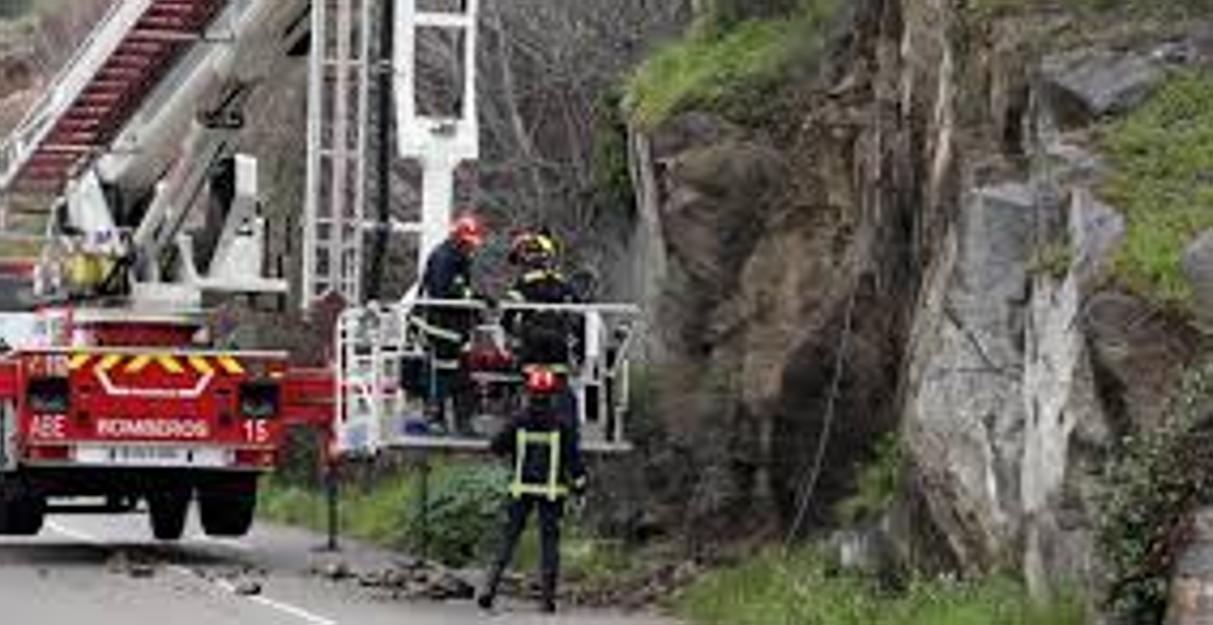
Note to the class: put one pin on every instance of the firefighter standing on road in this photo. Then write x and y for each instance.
(544, 444)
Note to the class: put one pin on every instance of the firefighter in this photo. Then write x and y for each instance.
(545, 447)
(544, 336)
(448, 270)
(448, 276)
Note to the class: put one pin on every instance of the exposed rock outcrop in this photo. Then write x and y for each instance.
(928, 252)
(1085, 85)
(1198, 267)
(1192, 591)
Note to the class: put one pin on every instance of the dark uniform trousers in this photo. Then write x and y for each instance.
(547, 467)
(549, 513)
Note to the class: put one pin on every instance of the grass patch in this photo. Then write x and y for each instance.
(465, 513)
(801, 589)
(1162, 160)
(708, 71)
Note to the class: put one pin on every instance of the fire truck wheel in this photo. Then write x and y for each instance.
(22, 515)
(168, 509)
(31, 516)
(227, 505)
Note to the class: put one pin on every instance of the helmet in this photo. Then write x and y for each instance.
(542, 381)
(468, 231)
(533, 249)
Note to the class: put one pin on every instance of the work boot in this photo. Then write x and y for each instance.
(548, 606)
(485, 601)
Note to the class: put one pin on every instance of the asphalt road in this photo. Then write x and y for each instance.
(107, 570)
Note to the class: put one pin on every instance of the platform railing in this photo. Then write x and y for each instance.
(376, 344)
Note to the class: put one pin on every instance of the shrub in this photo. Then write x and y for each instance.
(1152, 485)
(460, 522)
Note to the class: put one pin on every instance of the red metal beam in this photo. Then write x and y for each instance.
(169, 36)
(129, 60)
(118, 88)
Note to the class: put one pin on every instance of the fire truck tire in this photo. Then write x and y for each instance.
(22, 515)
(227, 506)
(167, 509)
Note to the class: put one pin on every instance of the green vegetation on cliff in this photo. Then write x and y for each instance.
(802, 588)
(712, 69)
(1153, 484)
(1162, 159)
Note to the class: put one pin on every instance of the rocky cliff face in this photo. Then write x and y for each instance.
(926, 252)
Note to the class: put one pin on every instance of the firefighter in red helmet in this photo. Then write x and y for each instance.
(543, 442)
(448, 270)
(448, 277)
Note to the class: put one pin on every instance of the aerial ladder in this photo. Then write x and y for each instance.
(123, 394)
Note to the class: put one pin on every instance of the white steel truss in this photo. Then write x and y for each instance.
(439, 144)
(338, 101)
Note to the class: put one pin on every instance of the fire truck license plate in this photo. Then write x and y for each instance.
(152, 455)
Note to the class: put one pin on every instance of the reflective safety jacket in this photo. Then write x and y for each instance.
(546, 452)
(545, 334)
(544, 286)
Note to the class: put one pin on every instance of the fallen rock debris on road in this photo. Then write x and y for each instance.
(412, 579)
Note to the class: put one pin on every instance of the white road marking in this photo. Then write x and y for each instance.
(292, 610)
(71, 533)
(219, 542)
(222, 584)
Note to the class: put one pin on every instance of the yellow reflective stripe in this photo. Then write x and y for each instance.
(169, 364)
(201, 365)
(138, 364)
(517, 490)
(230, 365)
(552, 489)
(109, 362)
(517, 487)
(78, 361)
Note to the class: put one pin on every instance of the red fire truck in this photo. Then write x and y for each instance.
(150, 217)
(128, 414)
